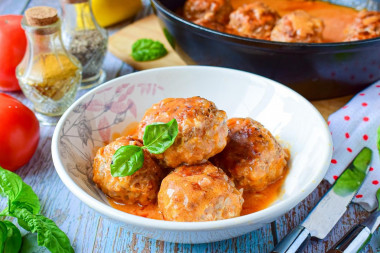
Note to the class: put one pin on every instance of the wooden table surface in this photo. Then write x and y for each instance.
(90, 232)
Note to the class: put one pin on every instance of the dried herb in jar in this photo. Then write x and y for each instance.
(89, 47)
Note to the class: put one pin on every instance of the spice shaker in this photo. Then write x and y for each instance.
(85, 39)
(48, 75)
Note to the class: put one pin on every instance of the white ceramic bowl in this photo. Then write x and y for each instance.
(108, 109)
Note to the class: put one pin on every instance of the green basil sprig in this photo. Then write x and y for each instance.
(24, 205)
(157, 138)
(148, 50)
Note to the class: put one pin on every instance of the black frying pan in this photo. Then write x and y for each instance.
(316, 71)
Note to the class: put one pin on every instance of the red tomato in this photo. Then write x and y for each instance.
(12, 50)
(19, 133)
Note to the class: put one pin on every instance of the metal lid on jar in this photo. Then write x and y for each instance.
(41, 16)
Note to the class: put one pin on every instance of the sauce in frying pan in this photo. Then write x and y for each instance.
(336, 18)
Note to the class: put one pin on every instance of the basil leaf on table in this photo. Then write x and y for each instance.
(48, 233)
(378, 198)
(127, 160)
(30, 245)
(12, 242)
(3, 236)
(17, 192)
(148, 50)
(158, 137)
(24, 205)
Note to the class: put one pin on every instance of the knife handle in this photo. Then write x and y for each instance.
(353, 241)
(293, 241)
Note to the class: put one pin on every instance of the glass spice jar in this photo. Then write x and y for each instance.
(85, 39)
(48, 75)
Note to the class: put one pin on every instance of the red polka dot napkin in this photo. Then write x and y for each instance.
(353, 127)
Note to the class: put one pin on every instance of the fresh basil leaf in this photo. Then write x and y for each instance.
(378, 198)
(48, 233)
(3, 236)
(127, 160)
(349, 182)
(158, 137)
(18, 193)
(148, 50)
(13, 240)
(10, 184)
(30, 245)
(27, 199)
(362, 160)
(352, 178)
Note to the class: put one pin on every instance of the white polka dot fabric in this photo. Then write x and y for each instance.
(353, 127)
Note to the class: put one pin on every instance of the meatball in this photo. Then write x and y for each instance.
(209, 13)
(210, 24)
(298, 26)
(365, 26)
(199, 193)
(255, 20)
(252, 156)
(202, 129)
(141, 187)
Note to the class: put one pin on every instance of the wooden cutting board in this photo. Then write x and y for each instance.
(120, 45)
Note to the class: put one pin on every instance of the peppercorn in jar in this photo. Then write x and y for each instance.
(85, 39)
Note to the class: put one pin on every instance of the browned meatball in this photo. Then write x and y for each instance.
(210, 24)
(209, 13)
(255, 20)
(252, 156)
(365, 26)
(141, 187)
(298, 26)
(202, 129)
(199, 193)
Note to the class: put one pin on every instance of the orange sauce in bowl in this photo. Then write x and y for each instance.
(150, 211)
(253, 202)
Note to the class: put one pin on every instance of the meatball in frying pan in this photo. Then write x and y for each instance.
(252, 156)
(199, 193)
(298, 26)
(255, 20)
(141, 187)
(212, 14)
(202, 129)
(365, 26)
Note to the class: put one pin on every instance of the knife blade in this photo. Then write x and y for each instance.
(360, 235)
(331, 207)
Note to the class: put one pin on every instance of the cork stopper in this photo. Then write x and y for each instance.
(75, 1)
(41, 16)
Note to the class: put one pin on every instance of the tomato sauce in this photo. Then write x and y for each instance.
(336, 18)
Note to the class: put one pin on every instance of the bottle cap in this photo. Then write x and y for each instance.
(41, 16)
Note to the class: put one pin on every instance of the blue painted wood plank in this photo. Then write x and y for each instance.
(12, 6)
(122, 240)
